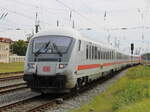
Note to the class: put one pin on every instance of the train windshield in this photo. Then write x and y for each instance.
(51, 44)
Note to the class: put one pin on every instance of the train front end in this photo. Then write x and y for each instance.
(46, 67)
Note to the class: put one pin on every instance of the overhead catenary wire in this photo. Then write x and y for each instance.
(86, 18)
(86, 6)
(22, 14)
(48, 9)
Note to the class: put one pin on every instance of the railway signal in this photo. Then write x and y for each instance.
(132, 48)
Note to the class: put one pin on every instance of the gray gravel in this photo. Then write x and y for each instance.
(72, 103)
(11, 82)
(85, 97)
(16, 96)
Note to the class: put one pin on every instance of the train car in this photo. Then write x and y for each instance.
(63, 59)
(145, 59)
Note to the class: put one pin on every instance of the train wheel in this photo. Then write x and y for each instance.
(42, 93)
(76, 89)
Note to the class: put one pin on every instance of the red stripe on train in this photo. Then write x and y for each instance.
(92, 66)
(108, 64)
(83, 67)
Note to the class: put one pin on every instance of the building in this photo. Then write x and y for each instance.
(4, 49)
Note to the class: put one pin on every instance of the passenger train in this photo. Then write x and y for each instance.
(145, 57)
(63, 59)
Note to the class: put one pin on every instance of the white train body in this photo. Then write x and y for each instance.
(61, 59)
(145, 59)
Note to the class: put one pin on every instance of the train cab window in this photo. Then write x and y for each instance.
(79, 45)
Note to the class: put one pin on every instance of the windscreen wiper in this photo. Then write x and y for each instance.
(56, 48)
(39, 51)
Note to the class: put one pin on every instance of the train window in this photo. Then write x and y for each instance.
(62, 43)
(112, 55)
(108, 57)
(79, 45)
(95, 52)
(104, 56)
(92, 52)
(98, 54)
(116, 55)
(109, 54)
(101, 54)
(87, 52)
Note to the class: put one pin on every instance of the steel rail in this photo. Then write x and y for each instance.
(14, 104)
(11, 78)
(11, 88)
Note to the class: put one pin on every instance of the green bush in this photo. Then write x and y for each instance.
(129, 94)
(132, 93)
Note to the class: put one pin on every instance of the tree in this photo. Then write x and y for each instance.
(29, 36)
(19, 47)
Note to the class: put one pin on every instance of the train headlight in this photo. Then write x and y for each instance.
(31, 65)
(61, 66)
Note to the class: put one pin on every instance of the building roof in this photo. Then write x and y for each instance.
(5, 40)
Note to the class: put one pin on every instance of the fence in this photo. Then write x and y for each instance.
(16, 59)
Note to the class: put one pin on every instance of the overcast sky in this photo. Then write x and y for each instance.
(131, 14)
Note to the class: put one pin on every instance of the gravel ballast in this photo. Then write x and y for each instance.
(11, 82)
(67, 105)
(84, 98)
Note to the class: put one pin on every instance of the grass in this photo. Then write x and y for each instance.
(129, 94)
(11, 67)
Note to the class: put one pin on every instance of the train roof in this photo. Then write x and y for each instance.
(89, 35)
(58, 31)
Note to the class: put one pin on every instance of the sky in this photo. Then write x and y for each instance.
(131, 14)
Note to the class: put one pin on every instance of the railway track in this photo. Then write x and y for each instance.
(17, 103)
(30, 104)
(60, 100)
(11, 73)
(41, 104)
(11, 88)
(11, 78)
